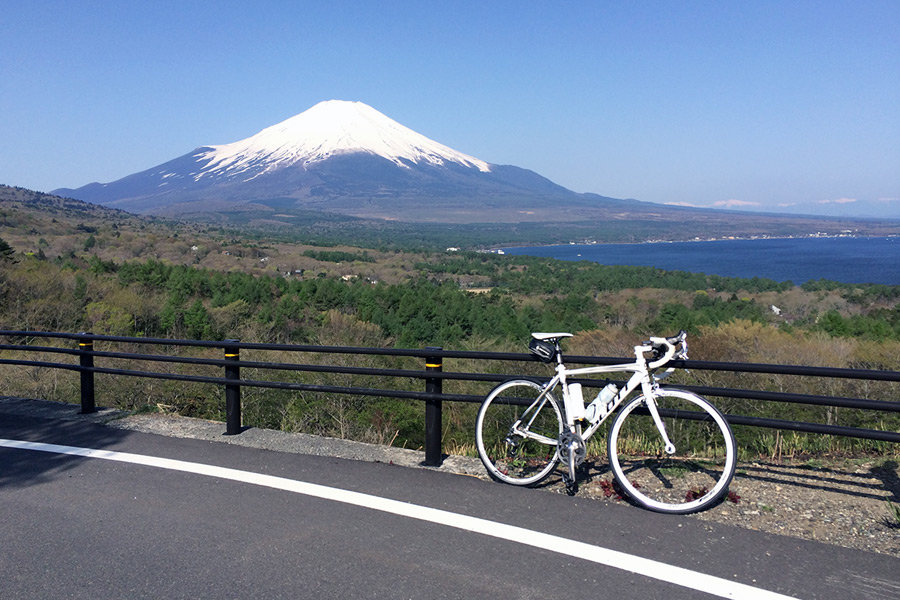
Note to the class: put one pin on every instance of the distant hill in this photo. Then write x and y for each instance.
(28, 214)
(53, 204)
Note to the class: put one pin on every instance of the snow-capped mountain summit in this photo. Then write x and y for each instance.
(336, 156)
(329, 129)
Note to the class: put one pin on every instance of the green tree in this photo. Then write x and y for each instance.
(6, 251)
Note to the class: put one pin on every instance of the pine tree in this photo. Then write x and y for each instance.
(6, 251)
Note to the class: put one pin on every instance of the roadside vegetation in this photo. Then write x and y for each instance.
(69, 267)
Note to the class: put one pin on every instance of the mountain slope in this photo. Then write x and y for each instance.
(338, 156)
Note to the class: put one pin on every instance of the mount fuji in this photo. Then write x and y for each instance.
(343, 157)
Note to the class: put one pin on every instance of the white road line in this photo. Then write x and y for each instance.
(709, 584)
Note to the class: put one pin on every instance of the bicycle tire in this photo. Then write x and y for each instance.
(692, 479)
(509, 456)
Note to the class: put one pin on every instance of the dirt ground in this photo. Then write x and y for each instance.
(842, 501)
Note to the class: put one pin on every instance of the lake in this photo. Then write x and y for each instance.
(842, 259)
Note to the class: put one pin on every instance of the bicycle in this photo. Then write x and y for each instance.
(669, 450)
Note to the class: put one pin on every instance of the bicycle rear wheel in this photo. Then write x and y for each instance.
(695, 476)
(516, 434)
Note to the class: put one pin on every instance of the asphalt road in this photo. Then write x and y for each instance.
(203, 523)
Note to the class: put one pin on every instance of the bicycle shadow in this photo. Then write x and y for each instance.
(877, 482)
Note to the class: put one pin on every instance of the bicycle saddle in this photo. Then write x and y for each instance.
(550, 336)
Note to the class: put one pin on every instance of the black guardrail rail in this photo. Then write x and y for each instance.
(432, 375)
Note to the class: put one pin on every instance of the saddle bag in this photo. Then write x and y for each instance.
(543, 350)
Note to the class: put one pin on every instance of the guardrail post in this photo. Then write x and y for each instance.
(232, 391)
(86, 361)
(433, 410)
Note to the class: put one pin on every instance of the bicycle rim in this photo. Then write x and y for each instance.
(696, 476)
(517, 436)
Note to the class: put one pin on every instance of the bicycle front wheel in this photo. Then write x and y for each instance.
(517, 431)
(693, 477)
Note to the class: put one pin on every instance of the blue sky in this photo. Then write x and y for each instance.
(753, 104)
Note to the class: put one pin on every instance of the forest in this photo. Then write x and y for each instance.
(71, 269)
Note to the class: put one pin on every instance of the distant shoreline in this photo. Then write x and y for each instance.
(495, 249)
(846, 259)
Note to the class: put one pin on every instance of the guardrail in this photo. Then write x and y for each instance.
(432, 375)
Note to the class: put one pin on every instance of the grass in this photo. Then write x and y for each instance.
(895, 512)
(675, 472)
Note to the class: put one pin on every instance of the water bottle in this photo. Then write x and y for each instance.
(575, 402)
(602, 404)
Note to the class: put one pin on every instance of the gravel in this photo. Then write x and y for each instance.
(844, 501)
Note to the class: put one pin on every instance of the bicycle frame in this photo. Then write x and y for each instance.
(641, 376)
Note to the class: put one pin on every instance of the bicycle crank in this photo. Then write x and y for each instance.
(572, 452)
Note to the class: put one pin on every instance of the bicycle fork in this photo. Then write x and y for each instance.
(650, 401)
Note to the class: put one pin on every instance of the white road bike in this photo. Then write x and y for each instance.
(669, 450)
